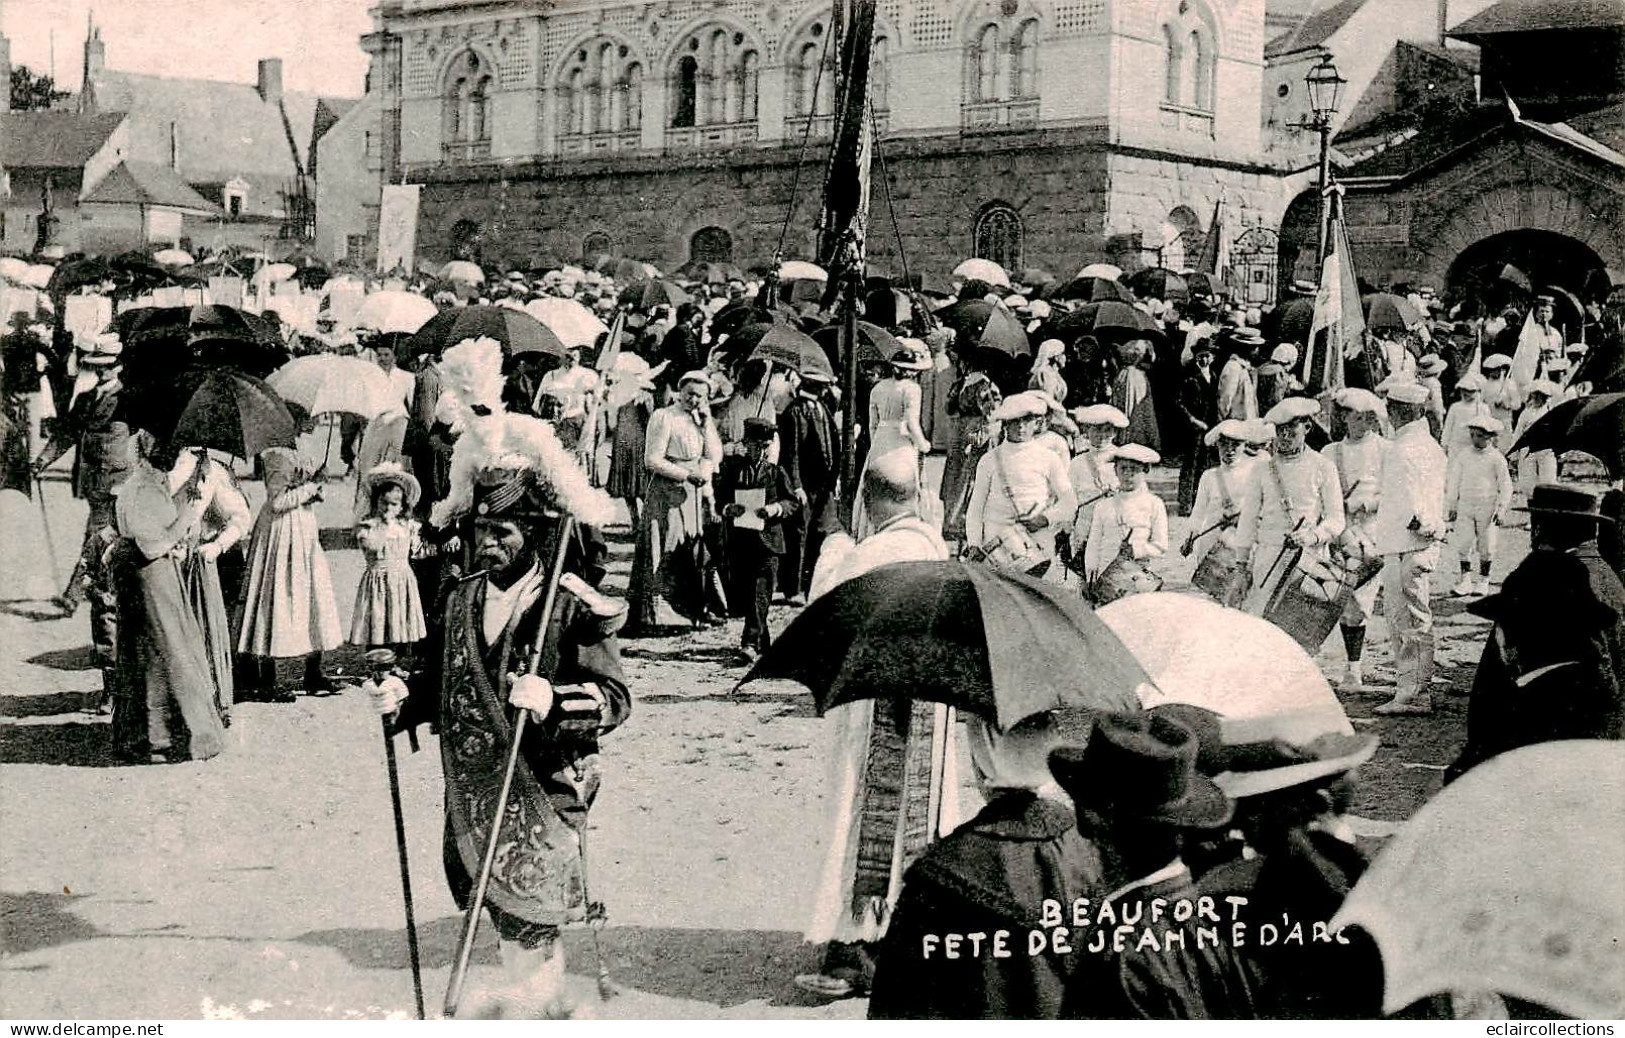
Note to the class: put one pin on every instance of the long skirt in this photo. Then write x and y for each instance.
(890, 794)
(290, 609)
(164, 693)
(208, 604)
(388, 608)
(626, 471)
(669, 514)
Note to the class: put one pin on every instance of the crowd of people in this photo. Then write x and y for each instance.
(480, 515)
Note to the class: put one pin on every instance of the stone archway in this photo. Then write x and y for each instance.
(1544, 257)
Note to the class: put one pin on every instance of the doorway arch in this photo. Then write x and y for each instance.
(1543, 257)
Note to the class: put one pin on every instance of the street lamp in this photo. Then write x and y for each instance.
(1325, 94)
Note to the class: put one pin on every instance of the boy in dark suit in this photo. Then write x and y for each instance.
(753, 554)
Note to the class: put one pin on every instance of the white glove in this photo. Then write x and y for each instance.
(386, 695)
(529, 692)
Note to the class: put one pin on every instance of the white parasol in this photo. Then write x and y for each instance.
(1243, 668)
(397, 312)
(1512, 881)
(573, 323)
(172, 258)
(1100, 270)
(325, 383)
(801, 270)
(463, 271)
(983, 270)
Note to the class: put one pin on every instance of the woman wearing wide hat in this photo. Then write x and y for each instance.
(894, 414)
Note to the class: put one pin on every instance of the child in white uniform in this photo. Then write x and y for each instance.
(1469, 405)
(1477, 493)
(1135, 521)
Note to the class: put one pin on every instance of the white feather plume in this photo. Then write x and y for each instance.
(505, 440)
(471, 372)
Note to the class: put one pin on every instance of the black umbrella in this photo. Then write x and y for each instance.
(646, 295)
(516, 331)
(875, 344)
(1593, 424)
(977, 322)
(782, 344)
(216, 408)
(1159, 283)
(999, 645)
(77, 272)
(1092, 290)
(1109, 319)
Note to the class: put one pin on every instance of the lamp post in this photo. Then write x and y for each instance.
(1325, 94)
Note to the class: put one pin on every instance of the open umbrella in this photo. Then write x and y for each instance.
(272, 273)
(801, 270)
(573, 323)
(172, 258)
(972, 319)
(1204, 284)
(1106, 271)
(1108, 319)
(1237, 665)
(73, 274)
(646, 295)
(516, 331)
(462, 272)
(1000, 645)
(13, 269)
(38, 275)
(786, 345)
(1159, 283)
(1593, 424)
(1092, 290)
(1386, 312)
(875, 344)
(982, 270)
(1514, 276)
(1511, 880)
(326, 383)
(231, 412)
(394, 311)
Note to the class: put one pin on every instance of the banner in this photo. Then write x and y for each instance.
(398, 227)
(1338, 329)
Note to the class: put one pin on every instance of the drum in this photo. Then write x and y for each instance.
(1225, 574)
(1307, 607)
(1125, 576)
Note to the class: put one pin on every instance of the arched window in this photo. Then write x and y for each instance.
(716, 80)
(1189, 70)
(1024, 60)
(687, 90)
(1202, 73)
(880, 74)
(985, 61)
(1170, 88)
(711, 245)
(595, 245)
(480, 110)
(1182, 239)
(999, 234)
(466, 114)
(601, 90)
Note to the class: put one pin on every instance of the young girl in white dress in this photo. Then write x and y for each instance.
(388, 611)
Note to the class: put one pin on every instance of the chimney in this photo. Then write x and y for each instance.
(5, 74)
(270, 85)
(175, 147)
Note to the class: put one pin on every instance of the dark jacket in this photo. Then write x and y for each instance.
(683, 352)
(740, 473)
(102, 460)
(1199, 401)
(1558, 610)
(991, 874)
(810, 447)
(1306, 881)
(1205, 980)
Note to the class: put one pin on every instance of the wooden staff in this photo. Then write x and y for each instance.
(471, 919)
(50, 539)
(406, 875)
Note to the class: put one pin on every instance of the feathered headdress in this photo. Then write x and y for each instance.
(504, 459)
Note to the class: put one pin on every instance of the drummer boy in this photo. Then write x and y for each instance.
(1132, 523)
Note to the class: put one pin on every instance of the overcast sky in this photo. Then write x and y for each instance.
(317, 40)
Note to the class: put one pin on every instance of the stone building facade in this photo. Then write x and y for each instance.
(1033, 132)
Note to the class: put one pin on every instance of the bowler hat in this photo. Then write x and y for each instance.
(1263, 765)
(1571, 499)
(1140, 768)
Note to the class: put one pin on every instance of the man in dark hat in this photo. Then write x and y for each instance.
(489, 656)
(1551, 669)
(1199, 405)
(100, 463)
(1238, 383)
(1138, 796)
(755, 497)
(810, 452)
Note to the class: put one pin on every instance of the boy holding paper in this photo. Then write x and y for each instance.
(755, 496)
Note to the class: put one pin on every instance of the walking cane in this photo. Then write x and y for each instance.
(50, 539)
(471, 919)
(406, 875)
(595, 919)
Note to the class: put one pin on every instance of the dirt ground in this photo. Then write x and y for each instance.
(263, 884)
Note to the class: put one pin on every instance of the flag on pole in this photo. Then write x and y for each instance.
(1337, 332)
(846, 185)
(1526, 358)
(1215, 257)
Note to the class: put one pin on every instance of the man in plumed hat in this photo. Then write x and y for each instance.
(514, 491)
(1551, 668)
(101, 461)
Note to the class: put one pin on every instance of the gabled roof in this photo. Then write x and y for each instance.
(226, 130)
(1541, 15)
(142, 183)
(53, 140)
(1317, 28)
(1437, 142)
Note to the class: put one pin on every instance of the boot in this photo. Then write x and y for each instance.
(1465, 586)
(1354, 676)
(1354, 646)
(316, 683)
(270, 691)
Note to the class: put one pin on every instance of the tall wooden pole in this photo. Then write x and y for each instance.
(852, 282)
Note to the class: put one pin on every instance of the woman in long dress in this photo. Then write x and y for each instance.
(226, 520)
(894, 418)
(290, 609)
(971, 434)
(1131, 394)
(165, 701)
(681, 453)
